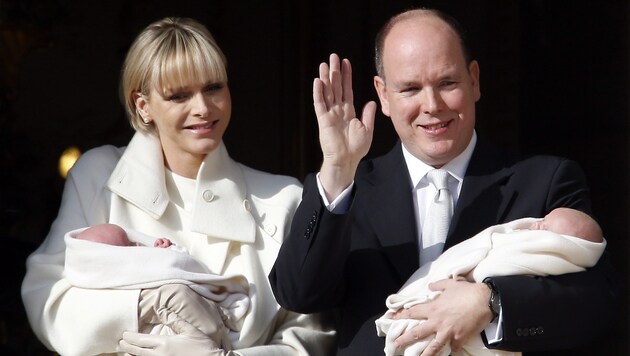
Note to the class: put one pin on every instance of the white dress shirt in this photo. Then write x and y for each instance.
(423, 192)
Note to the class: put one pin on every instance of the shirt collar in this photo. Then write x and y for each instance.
(456, 167)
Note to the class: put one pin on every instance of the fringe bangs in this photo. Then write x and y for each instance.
(186, 61)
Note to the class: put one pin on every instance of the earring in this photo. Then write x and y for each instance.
(146, 121)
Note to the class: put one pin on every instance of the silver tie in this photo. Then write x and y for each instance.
(438, 217)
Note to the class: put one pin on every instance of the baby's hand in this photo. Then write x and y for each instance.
(162, 242)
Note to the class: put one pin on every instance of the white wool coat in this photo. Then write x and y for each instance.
(239, 218)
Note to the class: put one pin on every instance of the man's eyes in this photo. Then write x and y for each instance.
(448, 84)
(410, 89)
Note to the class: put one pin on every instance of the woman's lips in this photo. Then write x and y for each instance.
(202, 127)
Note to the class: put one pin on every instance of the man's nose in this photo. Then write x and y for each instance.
(431, 101)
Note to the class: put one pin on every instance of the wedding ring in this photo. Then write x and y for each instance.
(439, 343)
(416, 337)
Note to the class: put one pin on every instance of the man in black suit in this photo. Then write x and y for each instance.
(357, 235)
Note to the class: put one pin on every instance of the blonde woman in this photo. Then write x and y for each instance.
(174, 178)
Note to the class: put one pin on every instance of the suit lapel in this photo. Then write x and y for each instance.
(485, 195)
(390, 211)
(484, 200)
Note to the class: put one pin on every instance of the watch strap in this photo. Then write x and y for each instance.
(494, 302)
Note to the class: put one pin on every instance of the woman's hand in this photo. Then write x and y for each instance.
(188, 341)
(344, 139)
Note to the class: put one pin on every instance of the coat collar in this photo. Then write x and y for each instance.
(222, 208)
(139, 175)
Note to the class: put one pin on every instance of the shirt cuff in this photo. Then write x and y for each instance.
(341, 204)
(494, 331)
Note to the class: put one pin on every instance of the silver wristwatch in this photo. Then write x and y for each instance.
(494, 303)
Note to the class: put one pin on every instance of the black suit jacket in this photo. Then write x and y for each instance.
(350, 263)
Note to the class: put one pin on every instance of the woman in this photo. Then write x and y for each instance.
(174, 179)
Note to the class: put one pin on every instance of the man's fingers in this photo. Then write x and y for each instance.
(336, 85)
(346, 81)
(433, 348)
(417, 312)
(441, 284)
(335, 64)
(324, 77)
(420, 332)
(319, 102)
(368, 115)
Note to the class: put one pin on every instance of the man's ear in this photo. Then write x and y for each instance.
(473, 70)
(381, 90)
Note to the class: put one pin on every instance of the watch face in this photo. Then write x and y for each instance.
(495, 302)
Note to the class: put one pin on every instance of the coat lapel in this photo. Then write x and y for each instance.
(221, 210)
(485, 195)
(484, 200)
(390, 211)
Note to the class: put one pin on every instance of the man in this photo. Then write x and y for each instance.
(357, 235)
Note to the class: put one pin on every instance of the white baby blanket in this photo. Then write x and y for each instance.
(97, 266)
(501, 250)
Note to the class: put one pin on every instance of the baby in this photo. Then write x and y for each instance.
(571, 222)
(115, 235)
(217, 307)
(564, 241)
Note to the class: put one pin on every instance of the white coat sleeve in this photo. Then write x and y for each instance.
(70, 320)
(296, 334)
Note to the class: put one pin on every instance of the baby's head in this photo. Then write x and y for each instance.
(570, 222)
(106, 233)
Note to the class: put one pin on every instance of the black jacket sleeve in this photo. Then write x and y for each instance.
(307, 276)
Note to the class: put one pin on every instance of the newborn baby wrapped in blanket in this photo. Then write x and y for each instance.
(97, 265)
(500, 250)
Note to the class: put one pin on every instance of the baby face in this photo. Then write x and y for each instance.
(570, 222)
(557, 221)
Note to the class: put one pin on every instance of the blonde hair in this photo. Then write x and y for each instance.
(169, 53)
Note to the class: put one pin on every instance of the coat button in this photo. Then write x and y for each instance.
(270, 229)
(532, 331)
(208, 195)
(540, 330)
(247, 205)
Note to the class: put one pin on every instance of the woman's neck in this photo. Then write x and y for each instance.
(184, 165)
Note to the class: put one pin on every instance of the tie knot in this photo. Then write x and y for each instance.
(439, 178)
